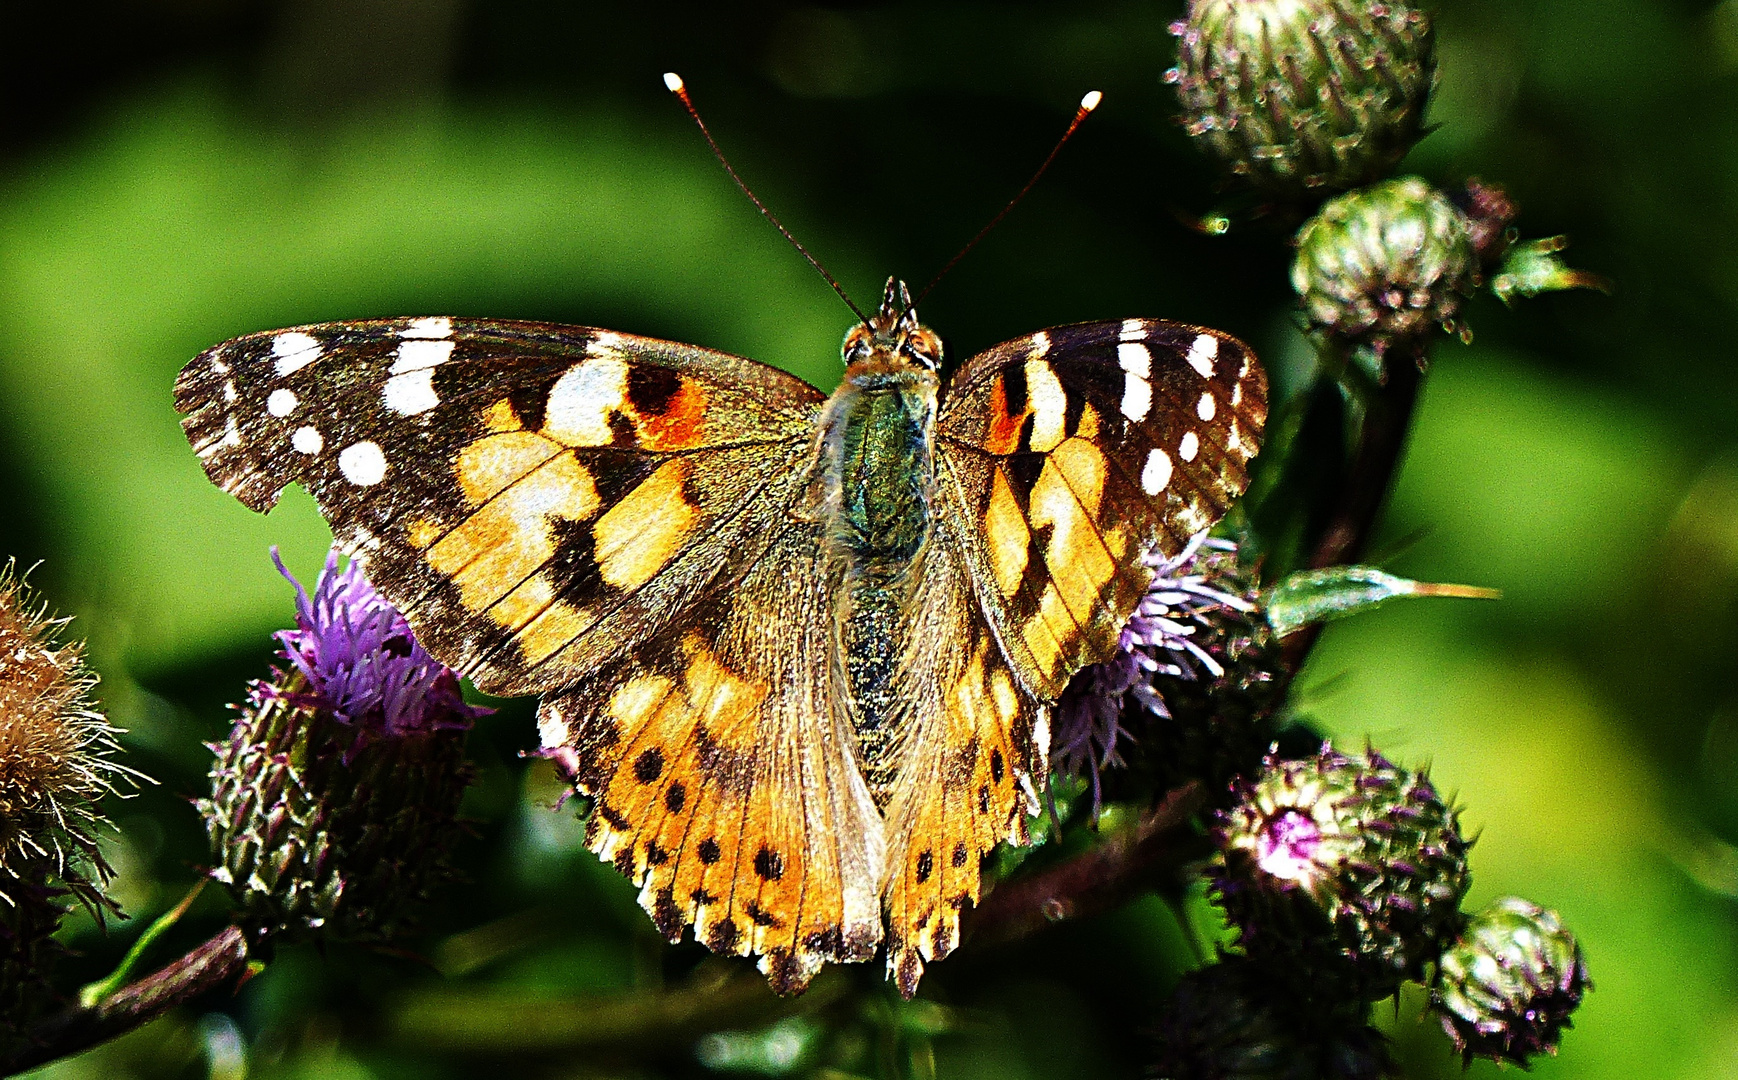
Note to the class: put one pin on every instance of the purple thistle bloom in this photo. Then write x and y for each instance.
(1158, 640)
(362, 662)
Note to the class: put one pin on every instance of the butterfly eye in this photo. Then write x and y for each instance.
(923, 348)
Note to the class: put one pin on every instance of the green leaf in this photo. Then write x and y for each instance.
(1316, 596)
(1533, 268)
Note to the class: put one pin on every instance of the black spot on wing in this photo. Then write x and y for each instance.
(651, 387)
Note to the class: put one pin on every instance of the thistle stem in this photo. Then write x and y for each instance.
(219, 960)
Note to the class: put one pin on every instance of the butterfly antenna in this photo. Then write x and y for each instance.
(1087, 104)
(680, 89)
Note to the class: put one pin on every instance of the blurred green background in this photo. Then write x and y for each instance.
(177, 172)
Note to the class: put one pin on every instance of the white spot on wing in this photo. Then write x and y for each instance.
(580, 403)
(434, 328)
(362, 464)
(307, 440)
(1202, 354)
(1206, 407)
(1157, 472)
(420, 355)
(1040, 344)
(282, 402)
(552, 729)
(1189, 446)
(1133, 329)
(411, 393)
(1137, 396)
(1135, 358)
(293, 351)
(229, 391)
(605, 343)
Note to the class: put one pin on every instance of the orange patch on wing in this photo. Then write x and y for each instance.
(682, 424)
(639, 535)
(509, 539)
(422, 532)
(1009, 538)
(501, 417)
(1004, 433)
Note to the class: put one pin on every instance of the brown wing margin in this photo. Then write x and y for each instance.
(725, 781)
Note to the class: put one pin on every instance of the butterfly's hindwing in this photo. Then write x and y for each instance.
(534, 497)
(719, 754)
(972, 747)
(1079, 449)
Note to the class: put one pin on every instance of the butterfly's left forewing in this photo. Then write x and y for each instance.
(535, 498)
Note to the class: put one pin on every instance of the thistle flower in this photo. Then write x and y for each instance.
(55, 763)
(1231, 1021)
(1385, 264)
(1348, 869)
(1193, 685)
(1505, 990)
(334, 798)
(1298, 96)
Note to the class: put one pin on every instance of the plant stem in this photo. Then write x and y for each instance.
(1122, 864)
(1381, 442)
(207, 966)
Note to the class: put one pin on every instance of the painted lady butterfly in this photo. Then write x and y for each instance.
(798, 649)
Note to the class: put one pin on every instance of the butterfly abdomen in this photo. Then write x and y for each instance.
(878, 467)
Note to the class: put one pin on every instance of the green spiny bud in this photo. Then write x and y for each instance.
(1231, 1021)
(1385, 264)
(1300, 96)
(1347, 871)
(1505, 990)
(334, 799)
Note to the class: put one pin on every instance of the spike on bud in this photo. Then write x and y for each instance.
(334, 798)
(674, 82)
(1091, 100)
(1346, 870)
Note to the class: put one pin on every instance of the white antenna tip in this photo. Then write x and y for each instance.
(673, 81)
(1088, 103)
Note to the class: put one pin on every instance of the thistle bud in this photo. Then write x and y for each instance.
(334, 799)
(1299, 96)
(1505, 990)
(1385, 264)
(1347, 870)
(1229, 1021)
(55, 764)
(1192, 690)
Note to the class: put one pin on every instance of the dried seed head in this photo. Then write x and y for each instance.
(55, 750)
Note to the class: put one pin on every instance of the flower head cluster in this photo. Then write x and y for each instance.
(1198, 633)
(334, 800)
(361, 660)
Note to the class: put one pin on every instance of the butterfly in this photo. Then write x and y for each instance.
(799, 650)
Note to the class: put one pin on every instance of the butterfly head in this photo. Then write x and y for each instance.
(888, 347)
